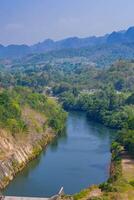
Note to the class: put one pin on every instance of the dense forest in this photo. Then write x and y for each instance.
(106, 94)
(64, 74)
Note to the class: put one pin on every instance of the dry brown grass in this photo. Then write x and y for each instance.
(33, 119)
(127, 167)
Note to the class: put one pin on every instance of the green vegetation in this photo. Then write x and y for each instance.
(81, 194)
(62, 75)
(13, 101)
(10, 113)
(105, 94)
(126, 138)
(106, 106)
(117, 186)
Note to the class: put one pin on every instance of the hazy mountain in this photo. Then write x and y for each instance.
(129, 35)
(122, 36)
(73, 42)
(14, 51)
(47, 45)
(115, 38)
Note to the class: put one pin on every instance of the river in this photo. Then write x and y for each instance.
(79, 158)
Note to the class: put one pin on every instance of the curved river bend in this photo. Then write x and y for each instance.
(79, 158)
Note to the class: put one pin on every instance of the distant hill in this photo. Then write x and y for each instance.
(14, 51)
(74, 42)
(99, 55)
(122, 37)
(120, 74)
(116, 41)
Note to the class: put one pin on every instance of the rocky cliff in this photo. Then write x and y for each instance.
(16, 151)
(28, 122)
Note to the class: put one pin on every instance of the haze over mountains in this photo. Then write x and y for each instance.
(121, 41)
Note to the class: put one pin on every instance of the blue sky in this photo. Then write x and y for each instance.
(31, 21)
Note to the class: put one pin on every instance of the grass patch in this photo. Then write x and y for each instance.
(81, 194)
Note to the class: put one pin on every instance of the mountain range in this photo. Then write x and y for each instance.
(114, 39)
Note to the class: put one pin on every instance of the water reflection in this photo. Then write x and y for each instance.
(79, 157)
(60, 138)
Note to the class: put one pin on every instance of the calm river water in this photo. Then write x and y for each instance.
(79, 158)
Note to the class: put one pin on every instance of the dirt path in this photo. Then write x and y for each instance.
(127, 167)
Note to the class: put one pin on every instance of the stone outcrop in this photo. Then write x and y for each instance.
(15, 153)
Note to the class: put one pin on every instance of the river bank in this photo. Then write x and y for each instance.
(16, 154)
(28, 122)
(119, 186)
(80, 157)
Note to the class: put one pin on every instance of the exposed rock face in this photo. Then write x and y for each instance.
(16, 153)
